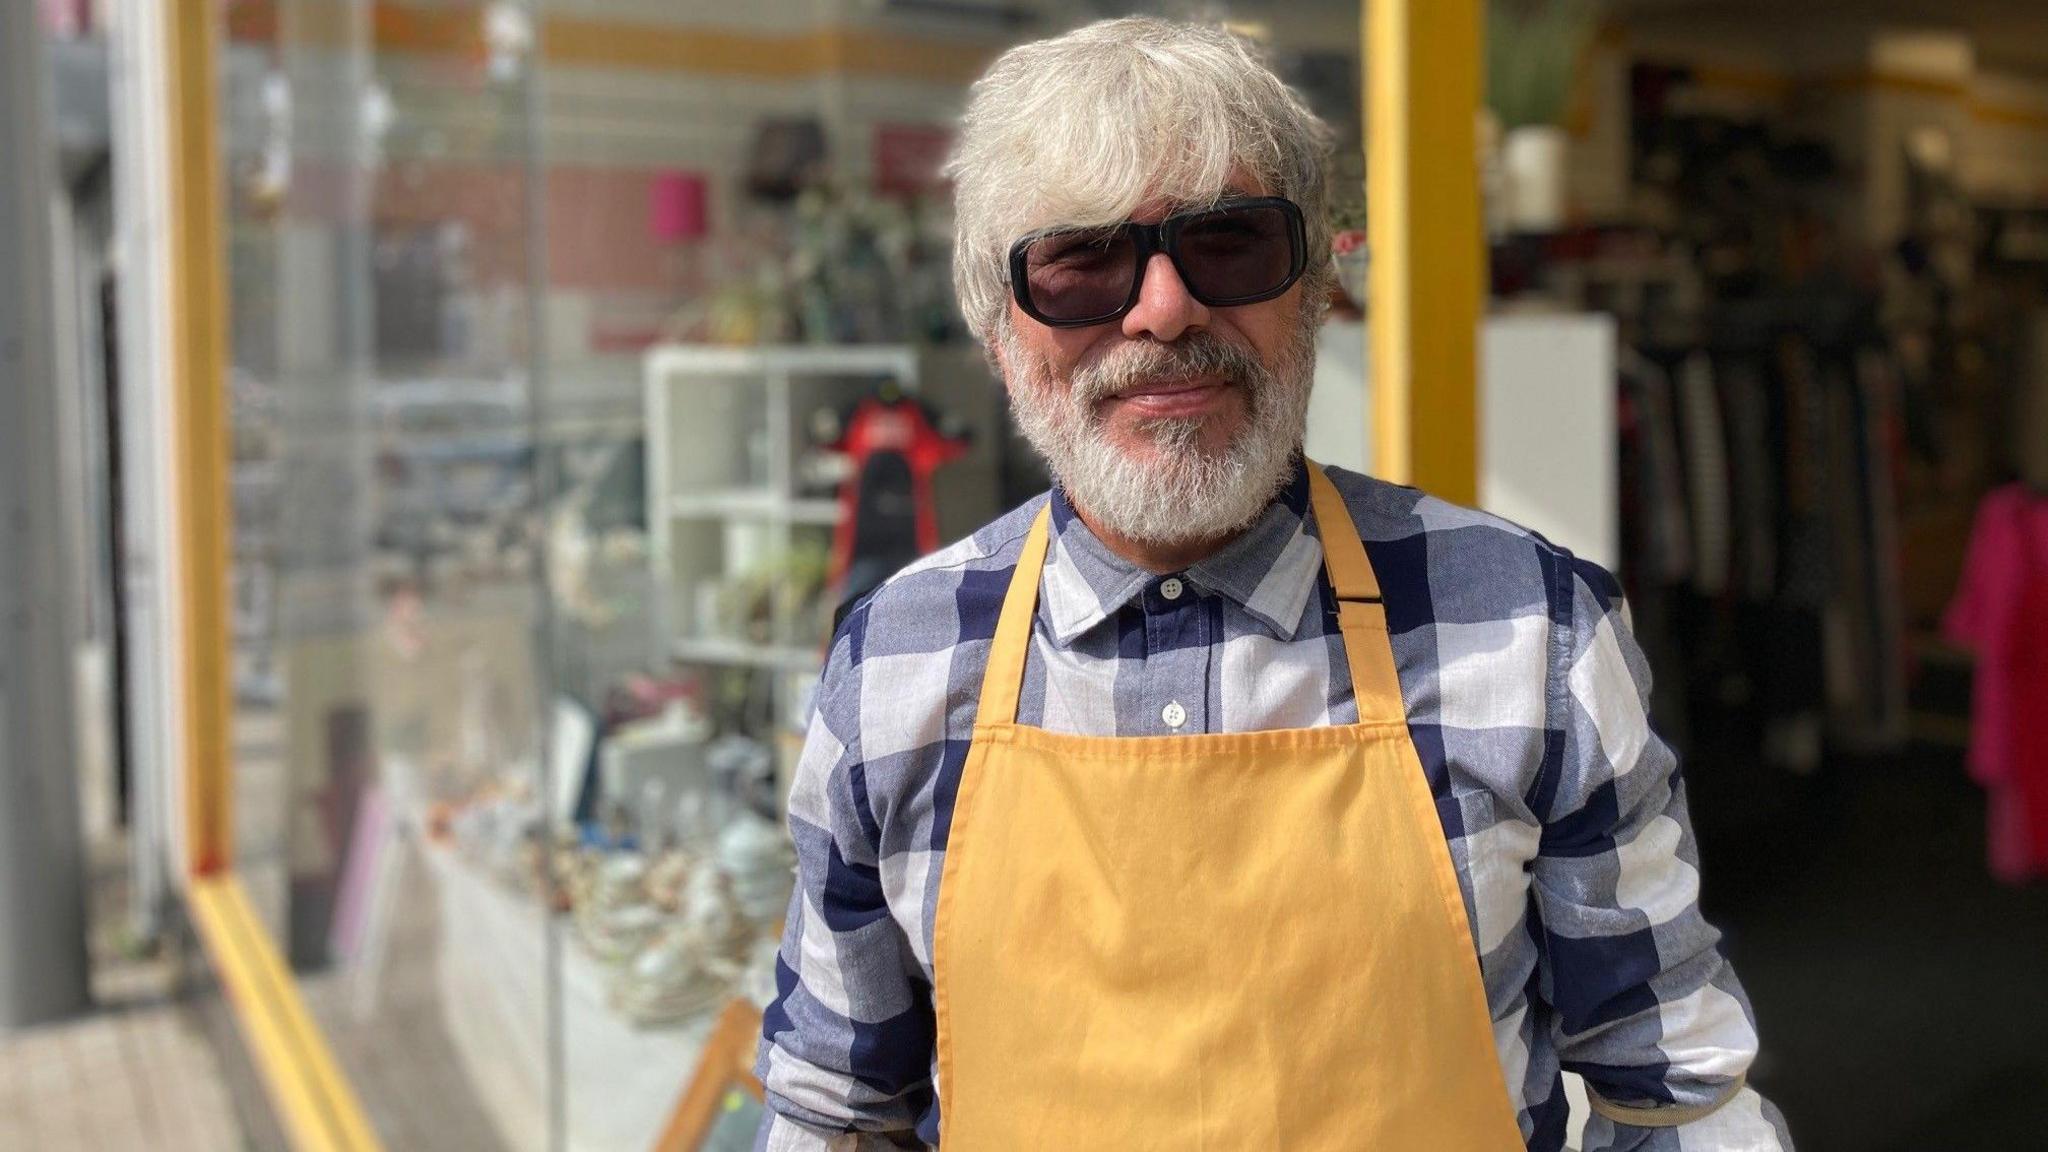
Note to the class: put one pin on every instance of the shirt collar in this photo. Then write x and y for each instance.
(1269, 570)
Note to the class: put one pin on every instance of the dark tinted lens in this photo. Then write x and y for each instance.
(1233, 253)
(1080, 275)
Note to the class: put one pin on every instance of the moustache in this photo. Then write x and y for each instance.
(1143, 362)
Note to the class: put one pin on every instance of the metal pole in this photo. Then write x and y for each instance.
(43, 973)
(546, 488)
(146, 485)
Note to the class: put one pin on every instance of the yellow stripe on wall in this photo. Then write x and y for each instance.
(1748, 81)
(1777, 85)
(1981, 110)
(584, 41)
(609, 44)
(2009, 115)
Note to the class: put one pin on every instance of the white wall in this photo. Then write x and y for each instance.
(1548, 445)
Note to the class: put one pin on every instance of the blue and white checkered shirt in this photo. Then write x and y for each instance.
(1525, 695)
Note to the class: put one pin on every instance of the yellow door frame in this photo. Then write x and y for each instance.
(1428, 267)
(314, 1101)
(200, 416)
(1428, 277)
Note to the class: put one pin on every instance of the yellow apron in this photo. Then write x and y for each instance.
(1235, 942)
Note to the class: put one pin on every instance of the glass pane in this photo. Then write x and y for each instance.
(576, 355)
(390, 803)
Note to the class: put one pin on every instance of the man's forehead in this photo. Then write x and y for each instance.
(1057, 207)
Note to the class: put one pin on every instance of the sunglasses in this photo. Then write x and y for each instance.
(1238, 252)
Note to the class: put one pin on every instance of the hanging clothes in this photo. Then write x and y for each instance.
(2001, 613)
(1706, 473)
(1844, 657)
(1760, 530)
(1883, 627)
(1753, 479)
(1653, 534)
(1794, 668)
(1864, 618)
(1803, 574)
(1666, 520)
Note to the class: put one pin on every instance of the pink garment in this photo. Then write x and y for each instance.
(2001, 612)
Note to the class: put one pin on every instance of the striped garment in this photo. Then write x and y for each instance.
(1525, 694)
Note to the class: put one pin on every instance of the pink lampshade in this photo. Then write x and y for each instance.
(678, 207)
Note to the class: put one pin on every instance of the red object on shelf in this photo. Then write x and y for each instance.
(895, 444)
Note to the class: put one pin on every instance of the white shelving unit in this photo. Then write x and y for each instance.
(739, 654)
(740, 504)
(723, 438)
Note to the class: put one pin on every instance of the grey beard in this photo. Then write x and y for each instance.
(1186, 494)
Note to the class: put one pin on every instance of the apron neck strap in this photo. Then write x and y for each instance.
(1361, 618)
(1344, 559)
(1002, 682)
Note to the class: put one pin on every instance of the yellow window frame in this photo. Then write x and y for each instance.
(315, 1103)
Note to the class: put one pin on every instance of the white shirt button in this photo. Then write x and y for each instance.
(1174, 715)
(1171, 589)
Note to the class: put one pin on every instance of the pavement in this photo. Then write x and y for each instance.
(142, 1070)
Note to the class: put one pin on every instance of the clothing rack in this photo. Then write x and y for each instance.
(1760, 526)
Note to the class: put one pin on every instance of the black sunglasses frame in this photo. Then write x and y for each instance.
(1150, 239)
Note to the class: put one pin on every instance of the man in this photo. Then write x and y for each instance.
(1123, 823)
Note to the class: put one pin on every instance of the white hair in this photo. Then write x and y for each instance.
(1084, 128)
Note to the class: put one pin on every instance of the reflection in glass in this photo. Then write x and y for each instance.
(588, 359)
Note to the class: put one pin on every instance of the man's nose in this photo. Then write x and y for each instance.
(1166, 310)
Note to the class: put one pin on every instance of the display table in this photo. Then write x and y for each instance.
(620, 1082)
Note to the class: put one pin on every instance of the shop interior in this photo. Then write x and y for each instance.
(587, 358)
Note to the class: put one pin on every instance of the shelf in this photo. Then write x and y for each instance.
(753, 504)
(796, 359)
(739, 653)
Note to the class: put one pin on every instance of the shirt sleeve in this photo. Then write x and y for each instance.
(846, 1047)
(1642, 1004)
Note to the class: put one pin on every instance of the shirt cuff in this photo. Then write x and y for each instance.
(781, 1134)
(1662, 1115)
(1746, 1122)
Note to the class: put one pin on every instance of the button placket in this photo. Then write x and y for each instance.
(1177, 628)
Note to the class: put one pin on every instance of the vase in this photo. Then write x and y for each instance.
(1536, 162)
